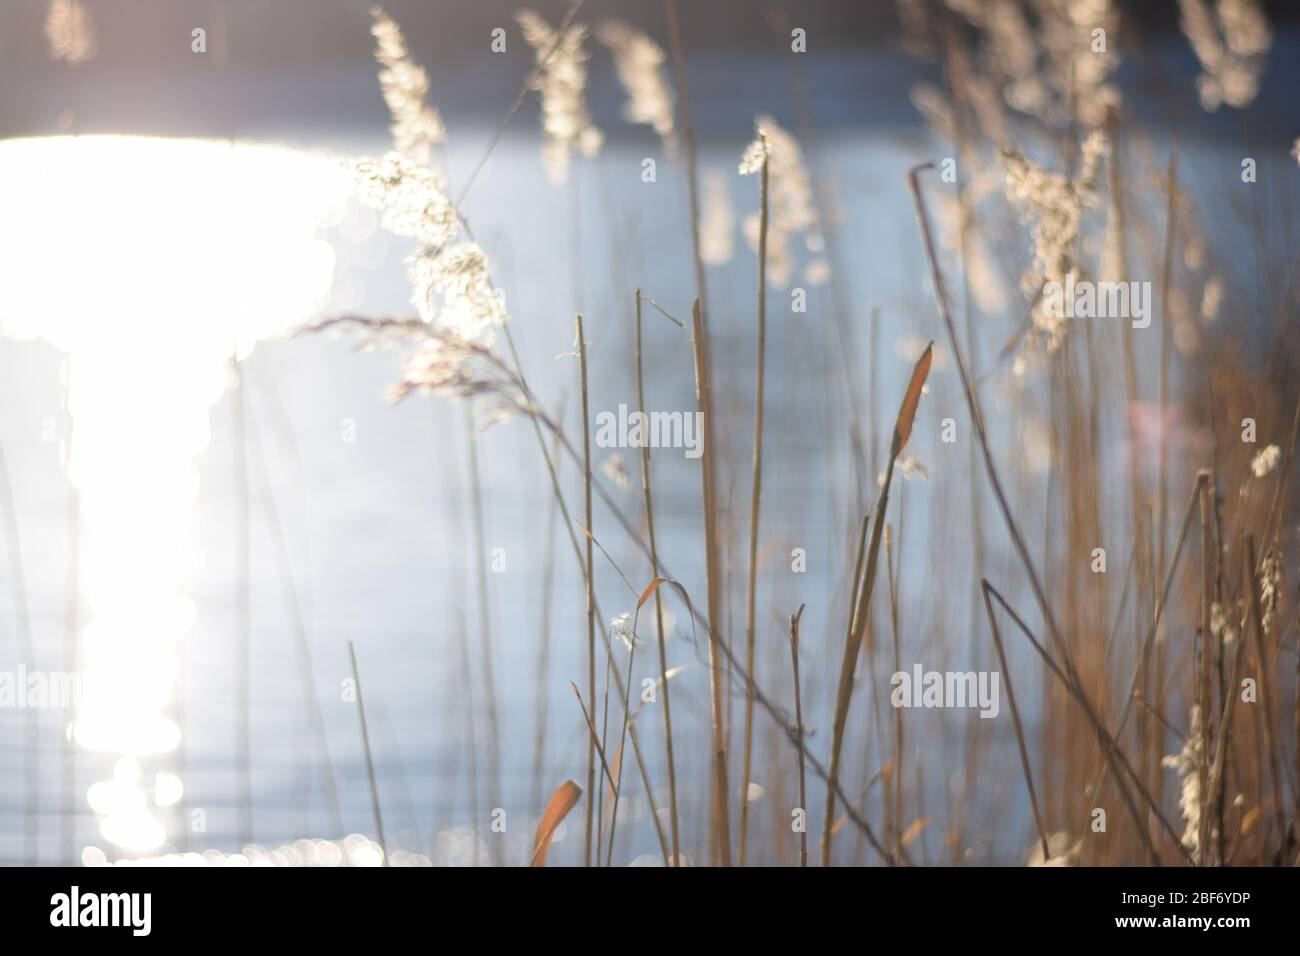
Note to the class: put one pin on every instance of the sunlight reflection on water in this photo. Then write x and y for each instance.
(150, 262)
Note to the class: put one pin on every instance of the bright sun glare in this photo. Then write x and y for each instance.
(150, 262)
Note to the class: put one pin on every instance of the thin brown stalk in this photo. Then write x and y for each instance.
(590, 587)
(1218, 771)
(1166, 342)
(484, 616)
(1015, 720)
(713, 583)
(604, 735)
(659, 610)
(896, 767)
(650, 797)
(1203, 672)
(1162, 400)
(544, 652)
(370, 763)
(868, 640)
(857, 573)
(594, 737)
(627, 719)
(617, 673)
(1107, 742)
(798, 726)
(781, 720)
(539, 419)
(755, 498)
(467, 690)
(1146, 734)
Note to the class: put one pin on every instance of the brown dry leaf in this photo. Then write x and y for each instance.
(913, 831)
(907, 413)
(564, 799)
(650, 589)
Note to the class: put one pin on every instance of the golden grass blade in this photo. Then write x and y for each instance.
(902, 431)
(564, 799)
(913, 831)
(911, 398)
(649, 591)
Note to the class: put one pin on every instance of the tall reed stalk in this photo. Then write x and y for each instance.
(590, 584)
(721, 828)
(659, 609)
(1203, 673)
(798, 724)
(484, 616)
(755, 498)
(1044, 844)
(544, 651)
